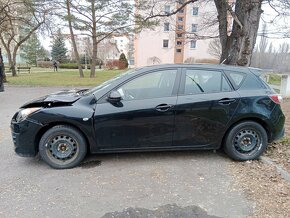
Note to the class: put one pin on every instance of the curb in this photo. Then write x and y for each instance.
(285, 175)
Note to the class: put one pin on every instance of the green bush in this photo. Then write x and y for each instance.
(44, 64)
(68, 66)
(74, 66)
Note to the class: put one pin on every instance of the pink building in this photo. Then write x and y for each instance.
(181, 38)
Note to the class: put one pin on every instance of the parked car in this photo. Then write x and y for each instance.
(165, 107)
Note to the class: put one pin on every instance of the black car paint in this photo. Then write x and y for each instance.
(137, 125)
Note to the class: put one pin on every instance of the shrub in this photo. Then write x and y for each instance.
(112, 64)
(69, 66)
(123, 62)
(44, 64)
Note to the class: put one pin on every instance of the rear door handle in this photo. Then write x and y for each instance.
(226, 101)
(163, 107)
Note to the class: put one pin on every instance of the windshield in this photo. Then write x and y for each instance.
(108, 82)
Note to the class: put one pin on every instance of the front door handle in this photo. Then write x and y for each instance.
(226, 101)
(163, 107)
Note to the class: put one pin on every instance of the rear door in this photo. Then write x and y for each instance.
(205, 104)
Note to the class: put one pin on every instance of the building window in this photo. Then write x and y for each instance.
(193, 44)
(178, 50)
(195, 11)
(167, 9)
(194, 28)
(181, 11)
(165, 43)
(180, 19)
(179, 35)
(178, 43)
(180, 27)
(166, 26)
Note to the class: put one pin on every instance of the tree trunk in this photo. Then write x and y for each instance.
(95, 41)
(237, 47)
(11, 62)
(73, 40)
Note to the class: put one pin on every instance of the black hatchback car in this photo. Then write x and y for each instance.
(165, 107)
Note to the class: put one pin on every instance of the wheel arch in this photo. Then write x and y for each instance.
(252, 119)
(50, 125)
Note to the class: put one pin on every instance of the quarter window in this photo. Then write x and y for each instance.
(153, 85)
(203, 81)
(237, 78)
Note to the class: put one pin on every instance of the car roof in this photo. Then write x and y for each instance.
(202, 66)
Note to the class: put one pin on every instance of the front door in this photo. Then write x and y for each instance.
(144, 118)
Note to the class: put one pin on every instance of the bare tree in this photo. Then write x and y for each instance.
(19, 20)
(100, 20)
(76, 53)
(215, 48)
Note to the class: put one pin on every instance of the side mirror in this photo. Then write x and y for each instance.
(114, 97)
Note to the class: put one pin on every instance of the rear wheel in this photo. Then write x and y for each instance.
(62, 147)
(246, 141)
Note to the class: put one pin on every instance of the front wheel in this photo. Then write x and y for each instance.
(246, 141)
(62, 147)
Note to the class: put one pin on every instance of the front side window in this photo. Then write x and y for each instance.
(204, 81)
(165, 43)
(153, 85)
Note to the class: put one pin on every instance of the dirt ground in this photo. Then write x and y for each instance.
(260, 181)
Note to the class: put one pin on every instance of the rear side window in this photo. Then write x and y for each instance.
(205, 81)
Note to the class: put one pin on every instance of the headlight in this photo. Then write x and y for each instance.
(23, 114)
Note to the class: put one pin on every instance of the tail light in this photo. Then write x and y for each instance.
(276, 98)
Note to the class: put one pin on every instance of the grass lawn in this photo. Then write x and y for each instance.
(275, 79)
(64, 77)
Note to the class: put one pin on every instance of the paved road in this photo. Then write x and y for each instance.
(135, 185)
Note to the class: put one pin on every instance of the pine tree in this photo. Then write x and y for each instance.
(32, 50)
(123, 61)
(58, 51)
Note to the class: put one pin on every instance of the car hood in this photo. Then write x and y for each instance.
(64, 97)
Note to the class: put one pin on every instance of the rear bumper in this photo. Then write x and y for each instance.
(277, 120)
(279, 135)
(24, 137)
